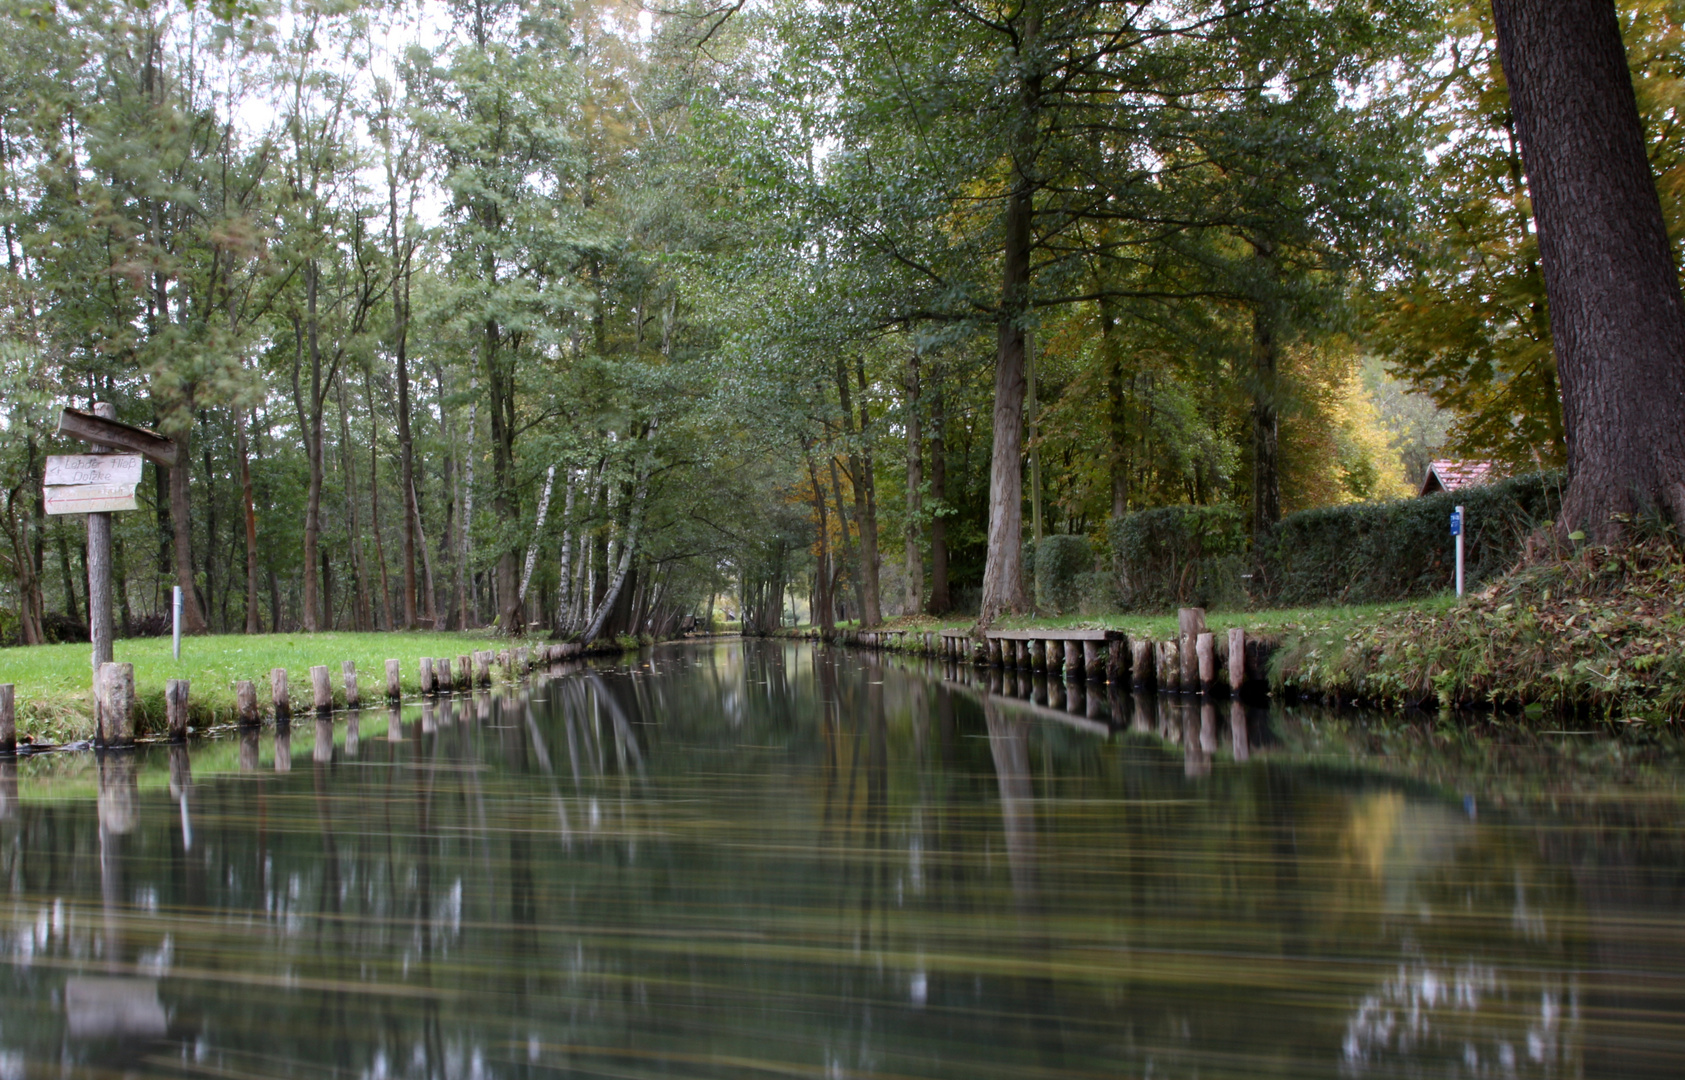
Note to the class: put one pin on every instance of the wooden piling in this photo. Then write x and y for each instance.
(349, 670)
(1055, 657)
(1190, 623)
(321, 690)
(8, 719)
(1205, 649)
(1237, 659)
(175, 708)
(394, 680)
(1141, 665)
(464, 673)
(1038, 656)
(442, 677)
(1091, 669)
(116, 693)
(482, 667)
(245, 703)
(426, 675)
(995, 652)
(1169, 667)
(1074, 660)
(278, 693)
(1117, 662)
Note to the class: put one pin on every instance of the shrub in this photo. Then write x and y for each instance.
(1061, 562)
(1356, 554)
(1177, 555)
(1372, 552)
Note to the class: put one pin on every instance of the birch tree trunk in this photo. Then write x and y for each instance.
(537, 536)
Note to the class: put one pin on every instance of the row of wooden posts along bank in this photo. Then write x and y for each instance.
(1195, 661)
(114, 690)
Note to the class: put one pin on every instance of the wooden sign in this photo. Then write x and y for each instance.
(106, 432)
(91, 483)
(91, 498)
(75, 469)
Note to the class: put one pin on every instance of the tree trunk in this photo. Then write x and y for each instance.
(824, 606)
(406, 456)
(914, 531)
(1266, 424)
(181, 520)
(1615, 309)
(940, 601)
(865, 499)
(374, 505)
(1003, 570)
(249, 506)
(360, 613)
(537, 535)
(1117, 419)
(310, 423)
(849, 548)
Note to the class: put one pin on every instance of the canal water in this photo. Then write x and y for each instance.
(775, 860)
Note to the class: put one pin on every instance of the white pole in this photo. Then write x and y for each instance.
(1462, 526)
(175, 606)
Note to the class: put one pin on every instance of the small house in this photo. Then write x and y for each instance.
(1447, 475)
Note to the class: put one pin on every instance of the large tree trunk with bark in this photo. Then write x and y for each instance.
(1615, 309)
(1003, 569)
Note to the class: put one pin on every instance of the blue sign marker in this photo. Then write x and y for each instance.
(1456, 522)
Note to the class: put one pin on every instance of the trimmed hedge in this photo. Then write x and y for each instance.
(1373, 552)
(1361, 553)
(1061, 565)
(1177, 555)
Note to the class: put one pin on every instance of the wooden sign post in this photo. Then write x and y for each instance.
(97, 484)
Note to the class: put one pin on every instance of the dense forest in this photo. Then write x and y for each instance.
(586, 319)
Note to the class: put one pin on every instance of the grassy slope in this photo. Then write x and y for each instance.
(53, 682)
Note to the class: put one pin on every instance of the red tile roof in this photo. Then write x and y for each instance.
(1447, 475)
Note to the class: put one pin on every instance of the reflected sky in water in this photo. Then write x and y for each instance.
(771, 860)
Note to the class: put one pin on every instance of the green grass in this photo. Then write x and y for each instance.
(1266, 622)
(54, 682)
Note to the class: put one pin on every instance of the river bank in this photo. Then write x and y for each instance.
(1598, 635)
(54, 697)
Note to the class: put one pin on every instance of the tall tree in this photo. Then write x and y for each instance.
(1616, 313)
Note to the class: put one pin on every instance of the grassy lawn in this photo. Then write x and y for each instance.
(1266, 622)
(54, 682)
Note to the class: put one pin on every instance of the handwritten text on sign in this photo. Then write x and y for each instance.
(64, 470)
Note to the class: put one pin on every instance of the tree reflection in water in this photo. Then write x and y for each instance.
(773, 859)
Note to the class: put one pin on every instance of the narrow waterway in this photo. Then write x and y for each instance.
(776, 860)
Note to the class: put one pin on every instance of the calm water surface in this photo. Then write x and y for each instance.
(777, 861)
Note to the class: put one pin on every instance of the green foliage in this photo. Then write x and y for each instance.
(1178, 555)
(1063, 565)
(1373, 552)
